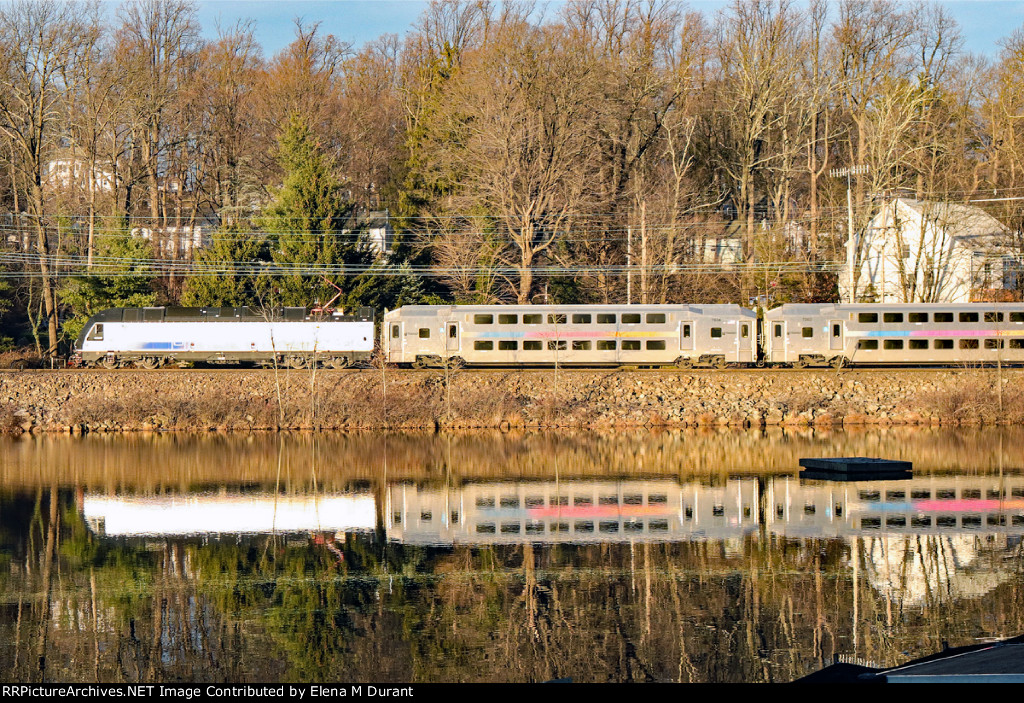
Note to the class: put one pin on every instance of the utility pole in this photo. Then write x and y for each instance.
(839, 173)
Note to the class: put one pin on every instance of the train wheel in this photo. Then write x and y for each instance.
(799, 364)
(456, 363)
(720, 363)
(838, 362)
(147, 363)
(340, 362)
(684, 363)
(420, 363)
(108, 363)
(295, 362)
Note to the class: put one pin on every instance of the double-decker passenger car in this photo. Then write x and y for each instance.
(295, 337)
(574, 335)
(894, 334)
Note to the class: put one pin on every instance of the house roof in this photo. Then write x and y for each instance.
(961, 220)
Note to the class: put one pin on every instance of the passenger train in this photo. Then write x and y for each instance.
(685, 336)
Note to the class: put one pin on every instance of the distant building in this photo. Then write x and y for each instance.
(922, 251)
(174, 242)
(70, 170)
(380, 235)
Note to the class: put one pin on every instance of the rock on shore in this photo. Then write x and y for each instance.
(197, 400)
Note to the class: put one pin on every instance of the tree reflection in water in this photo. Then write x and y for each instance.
(732, 589)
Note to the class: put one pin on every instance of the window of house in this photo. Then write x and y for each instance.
(483, 319)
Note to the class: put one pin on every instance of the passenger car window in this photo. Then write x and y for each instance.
(943, 317)
(508, 345)
(716, 332)
(424, 333)
(483, 319)
(580, 319)
(532, 345)
(655, 318)
(630, 318)
(533, 319)
(558, 319)
(807, 332)
(892, 317)
(581, 345)
(557, 345)
(993, 317)
(968, 317)
(508, 319)
(483, 345)
(867, 317)
(395, 333)
(606, 319)
(867, 344)
(655, 343)
(630, 344)
(606, 345)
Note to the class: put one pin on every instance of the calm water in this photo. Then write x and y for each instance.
(683, 556)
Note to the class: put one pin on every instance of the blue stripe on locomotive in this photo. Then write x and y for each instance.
(163, 346)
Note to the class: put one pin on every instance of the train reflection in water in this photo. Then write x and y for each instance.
(659, 510)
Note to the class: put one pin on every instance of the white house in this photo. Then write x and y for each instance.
(69, 170)
(922, 251)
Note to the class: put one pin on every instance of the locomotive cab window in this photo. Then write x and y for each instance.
(533, 319)
(716, 332)
(606, 319)
(631, 318)
(867, 317)
(424, 333)
(807, 332)
(483, 319)
(655, 318)
(96, 333)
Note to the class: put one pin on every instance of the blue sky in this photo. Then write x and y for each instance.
(983, 22)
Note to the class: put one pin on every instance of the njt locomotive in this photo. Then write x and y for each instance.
(293, 337)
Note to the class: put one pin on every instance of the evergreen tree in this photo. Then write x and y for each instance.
(227, 271)
(123, 278)
(306, 220)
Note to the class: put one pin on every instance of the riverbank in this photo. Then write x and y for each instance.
(238, 400)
